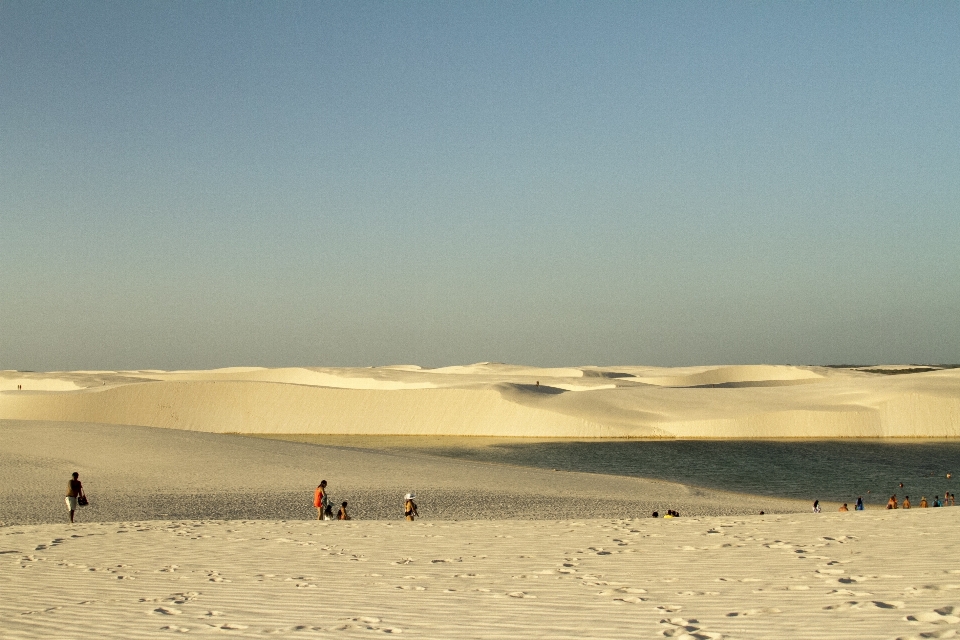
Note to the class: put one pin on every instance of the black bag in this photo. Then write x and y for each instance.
(82, 501)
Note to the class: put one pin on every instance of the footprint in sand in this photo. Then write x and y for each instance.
(847, 592)
(228, 626)
(366, 623)
(176, 598)
(943, 615)
(167, 611)
(872, 604)
(686, 629)
(752, 612)
(668, 608)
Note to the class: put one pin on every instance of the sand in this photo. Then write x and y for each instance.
(488, 399)
(855, 575)
(136, 473)
(196, 530)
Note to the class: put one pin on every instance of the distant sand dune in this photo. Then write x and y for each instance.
(488, 399)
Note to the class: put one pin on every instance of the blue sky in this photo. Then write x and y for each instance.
(213, 184)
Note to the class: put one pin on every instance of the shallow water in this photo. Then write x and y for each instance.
(830, 470)
(826, 470)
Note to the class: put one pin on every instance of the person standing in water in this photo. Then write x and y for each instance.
(320, 499)
(74, 493)
(410, 507)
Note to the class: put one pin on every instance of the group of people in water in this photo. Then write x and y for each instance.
(893, 503)
(321, 500)
(948, 501)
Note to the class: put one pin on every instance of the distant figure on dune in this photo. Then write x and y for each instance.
(892, 502)
(342, 513)
(923, 502)
(844, 507)
(320, 499)
(859, 505)
(74, 493)
(410, 507)
(816, 506)
(906, 502)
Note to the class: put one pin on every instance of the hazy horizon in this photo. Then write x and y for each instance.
(201, 185)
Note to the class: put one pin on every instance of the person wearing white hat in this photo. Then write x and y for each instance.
(410, 507)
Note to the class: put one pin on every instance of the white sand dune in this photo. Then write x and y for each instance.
(754, 401)
(854, 575)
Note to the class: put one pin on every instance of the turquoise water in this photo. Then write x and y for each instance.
(826, 470)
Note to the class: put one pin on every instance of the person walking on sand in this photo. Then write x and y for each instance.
(906, 502)
(342, 513)
(74, 493)
(816, 506)
(320, 499)
(859, 505)
(410, 507)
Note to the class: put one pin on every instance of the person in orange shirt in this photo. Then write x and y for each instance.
(320, 499)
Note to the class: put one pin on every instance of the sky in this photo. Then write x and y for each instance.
(209, 184)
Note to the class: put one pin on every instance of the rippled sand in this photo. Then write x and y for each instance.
(855, 575)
